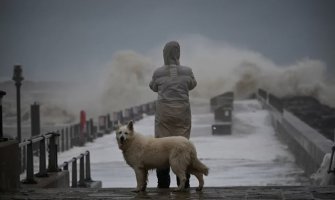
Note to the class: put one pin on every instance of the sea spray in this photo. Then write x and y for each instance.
(218, 67)
(127, 82)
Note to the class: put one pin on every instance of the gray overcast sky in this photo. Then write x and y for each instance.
(54, 39)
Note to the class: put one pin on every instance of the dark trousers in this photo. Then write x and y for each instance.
(163, 176)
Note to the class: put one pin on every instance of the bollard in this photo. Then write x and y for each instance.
(35, 123)
(35, 119)
(81, 171)
(30, 165)
(53, 165)
(88, 167)
(74, 173)
(42, 171)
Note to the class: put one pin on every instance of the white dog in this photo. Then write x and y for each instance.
(144, 153)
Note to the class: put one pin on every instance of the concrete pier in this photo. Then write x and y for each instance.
(231, 193)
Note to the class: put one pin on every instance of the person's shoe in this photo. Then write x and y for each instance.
(187, 184)
(161, 186)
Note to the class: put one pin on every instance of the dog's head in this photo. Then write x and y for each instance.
(124, 134)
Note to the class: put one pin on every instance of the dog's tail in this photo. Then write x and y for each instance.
(197, 165)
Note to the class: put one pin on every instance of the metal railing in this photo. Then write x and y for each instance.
(67, 137)
(52, 156)
(74, 135)
(84, 169)
(84, 161)
(63, 139)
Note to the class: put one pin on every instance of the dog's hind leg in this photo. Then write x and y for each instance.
(141, 178)
(181, 173)
(200, 178)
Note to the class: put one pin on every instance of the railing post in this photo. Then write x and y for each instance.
(74, 173)
(92, 129)
(88, 134)
(66, 166)
(109, 124)
(53, 160)
(2, 93)
(88, 167)
(76, 133)
(35, 123)
(71, 135)
(57, 141)
(30, 165)
(22, 158)
(63, 142)
(43, 170)
(67, 138)
(81, 171)
(35, 119)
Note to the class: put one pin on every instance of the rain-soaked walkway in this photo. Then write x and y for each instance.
(231, 193)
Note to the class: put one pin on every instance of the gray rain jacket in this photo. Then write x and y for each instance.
(172, 82)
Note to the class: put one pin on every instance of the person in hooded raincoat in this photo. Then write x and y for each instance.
(172, 82)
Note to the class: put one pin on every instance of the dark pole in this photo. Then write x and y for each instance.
(17, 77)
(2, 93)
(53, 160)
(35, 119)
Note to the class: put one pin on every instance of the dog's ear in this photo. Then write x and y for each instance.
(130, 125)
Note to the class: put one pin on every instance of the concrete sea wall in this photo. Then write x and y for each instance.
(310, 148)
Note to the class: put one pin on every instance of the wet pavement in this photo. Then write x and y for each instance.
(244, 193)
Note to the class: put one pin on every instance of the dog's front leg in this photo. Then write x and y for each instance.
(141, 179)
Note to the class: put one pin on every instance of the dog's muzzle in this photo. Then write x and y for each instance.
(122, 139)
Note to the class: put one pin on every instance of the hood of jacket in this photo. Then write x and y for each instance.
(171, 53)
